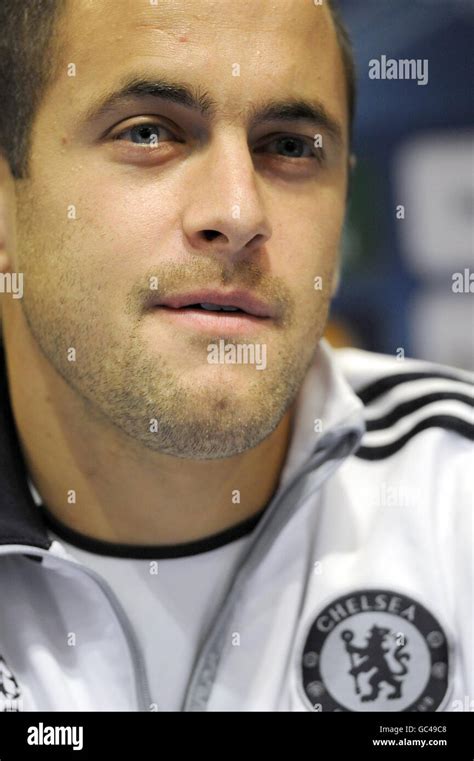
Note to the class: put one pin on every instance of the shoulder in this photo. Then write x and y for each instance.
(404, 398)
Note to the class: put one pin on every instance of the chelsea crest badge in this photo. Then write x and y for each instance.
(375, 650)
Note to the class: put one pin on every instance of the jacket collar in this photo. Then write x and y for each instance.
(326, 404)
(20, 520)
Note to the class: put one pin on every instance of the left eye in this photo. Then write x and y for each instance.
(145, 134)
(295, 147)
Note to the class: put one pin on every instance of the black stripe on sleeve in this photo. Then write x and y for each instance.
(379, 387)
(412, 405)
(448, 422)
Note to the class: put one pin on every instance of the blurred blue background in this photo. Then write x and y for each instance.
(414, 145)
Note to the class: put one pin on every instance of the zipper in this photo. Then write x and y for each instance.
(332, 450)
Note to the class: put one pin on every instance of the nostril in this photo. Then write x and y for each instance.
(210, 234)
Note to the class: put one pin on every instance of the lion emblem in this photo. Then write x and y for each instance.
(375, 656)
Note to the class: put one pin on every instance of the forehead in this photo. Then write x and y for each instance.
(169, 20)
(236, 51)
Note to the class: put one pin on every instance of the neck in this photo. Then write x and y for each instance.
(99, 482)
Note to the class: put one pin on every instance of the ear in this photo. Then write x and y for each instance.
(352, 163)
(336, 278)
(6, 217)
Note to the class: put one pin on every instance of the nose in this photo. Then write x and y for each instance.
(225, 213)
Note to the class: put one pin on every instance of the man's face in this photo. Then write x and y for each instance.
(152, 201)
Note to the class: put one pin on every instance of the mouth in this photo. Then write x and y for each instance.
(216, 311)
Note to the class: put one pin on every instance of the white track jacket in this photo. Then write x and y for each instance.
(355, 592)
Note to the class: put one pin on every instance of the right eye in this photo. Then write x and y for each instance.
(147, 134)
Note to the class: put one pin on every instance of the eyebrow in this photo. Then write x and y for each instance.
(198, 100)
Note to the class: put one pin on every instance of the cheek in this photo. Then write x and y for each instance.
(127, 226)
(88, 249)
(309, 246)
(116, 220)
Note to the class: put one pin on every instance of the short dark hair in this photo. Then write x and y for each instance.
(28, 62)
(345, 45)
(29, 54)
